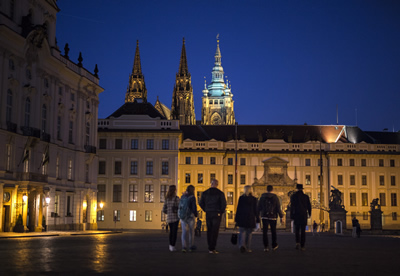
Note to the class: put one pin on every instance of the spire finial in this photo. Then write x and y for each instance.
(183, 67)
(183, 40)
(217, 38)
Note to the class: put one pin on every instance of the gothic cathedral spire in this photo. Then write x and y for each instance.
(217, 102)
(137, 87)
(182, 107)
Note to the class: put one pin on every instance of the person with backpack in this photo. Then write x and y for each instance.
(171, 209)
(246, 218)
(300, 210)
(213, 202)
(187, 211)
(269, 207)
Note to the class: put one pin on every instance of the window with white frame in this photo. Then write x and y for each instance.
(69, 174)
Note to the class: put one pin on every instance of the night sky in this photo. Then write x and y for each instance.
(289, 62)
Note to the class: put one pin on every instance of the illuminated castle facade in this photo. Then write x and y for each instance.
(48, 125)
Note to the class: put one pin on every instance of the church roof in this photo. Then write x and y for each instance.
(137, 108)
(163, 109)
(288, 133)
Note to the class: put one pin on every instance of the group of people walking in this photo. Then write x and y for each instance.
(249, 214)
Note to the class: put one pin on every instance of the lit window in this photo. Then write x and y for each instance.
(229, 198)
(149, 193)
(364, 199)
(117, 215)
(148, 216)
(132, 215)
(69, 169)
(308, 179)
(353, 199)
(100, 215)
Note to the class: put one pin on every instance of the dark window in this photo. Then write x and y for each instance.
(242, 179)
(353, 199)
(363, 162)
(352, 162)
(319, 180)
(200, 178)
(134, 167)
(230, 178)
(394, 215)
(163, 192)
(391, 162)
(117, 193)
(27, 112)
(352, 180)
(134, 144)
(382, 199)
(164, 168)
(200, 160)
(393, 199)
(364, 180)
(117, 167)
(230, 161)
(149, 167)
(187, 178)
(58, 128)
(69, 206)
(212, 160)
(102, 167)
(308, 162)
(340, 179)
(393, 180)
(118, 143)
(70, 132)
(364, 199)
(165, 144)
(9, 105)
(117, 215)
(381, 164)
(340, 162)
(198, 198)
(382, 180)
(150, 144)
(187, 160)
(365, 215)
(242, 161)
(212, 176)
(103, 143)
(101, 193)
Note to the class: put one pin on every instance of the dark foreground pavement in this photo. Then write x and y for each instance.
(146, 253)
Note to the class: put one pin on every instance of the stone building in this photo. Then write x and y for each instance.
(363, 165)
(48, 124)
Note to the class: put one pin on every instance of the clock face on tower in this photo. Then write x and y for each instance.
(216, 120)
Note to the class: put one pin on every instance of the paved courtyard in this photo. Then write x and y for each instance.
(146, 253)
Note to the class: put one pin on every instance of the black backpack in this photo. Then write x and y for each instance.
(268, 207)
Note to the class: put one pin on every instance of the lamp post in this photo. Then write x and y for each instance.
(47, 199)
(24, 215)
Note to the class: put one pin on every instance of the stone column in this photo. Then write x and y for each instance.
(24, 208)
(39, 227)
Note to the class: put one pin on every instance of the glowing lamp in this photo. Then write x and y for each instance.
(84, 204)
(47, 200)
(101, 205)
(24, 198)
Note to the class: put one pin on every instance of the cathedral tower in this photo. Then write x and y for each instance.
(217, 102)
(182, 107)
(136, 88)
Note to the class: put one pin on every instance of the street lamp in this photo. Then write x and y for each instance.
(101, 205)
(24, 198)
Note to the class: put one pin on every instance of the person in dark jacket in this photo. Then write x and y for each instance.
(246, 218)
(269, 207)
(213, 202)
(300, 210)
(187, 223)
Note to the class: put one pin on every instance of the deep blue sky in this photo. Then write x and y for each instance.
(289, 62)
